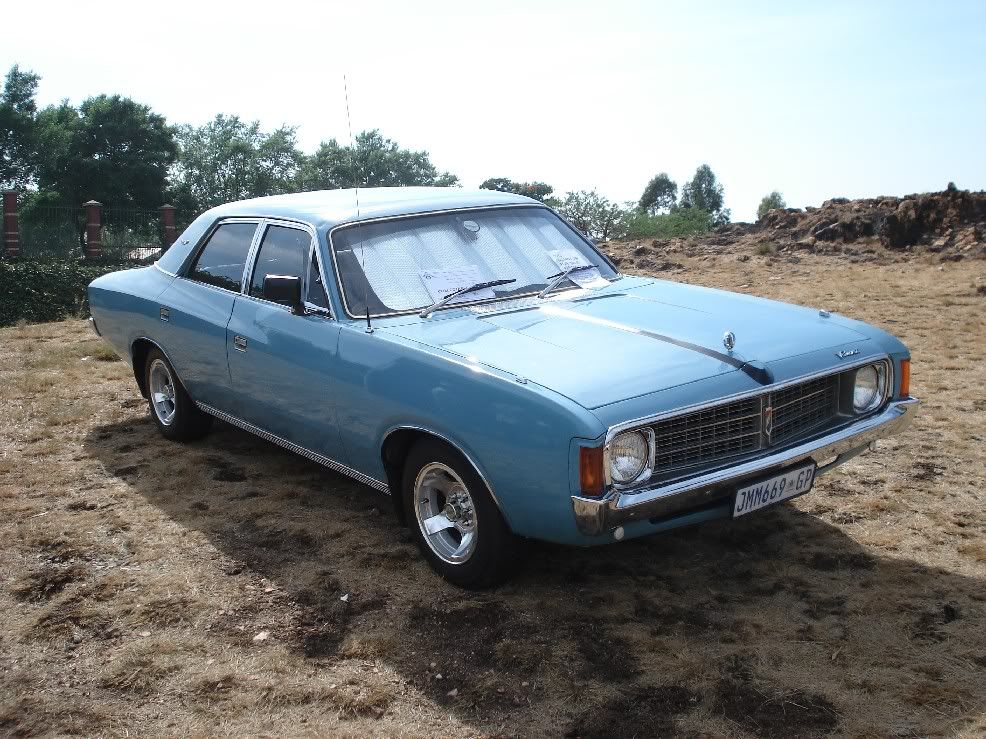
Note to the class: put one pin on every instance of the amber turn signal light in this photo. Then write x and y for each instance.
(905, 378)
(591, 471)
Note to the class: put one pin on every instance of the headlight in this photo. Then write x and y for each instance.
(870, 387)
(629, 456)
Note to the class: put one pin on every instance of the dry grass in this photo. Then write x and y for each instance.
(137, 573)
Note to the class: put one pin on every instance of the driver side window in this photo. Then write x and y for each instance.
(283, 251)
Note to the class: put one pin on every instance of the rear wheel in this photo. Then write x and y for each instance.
(174, 412)
(454, 518)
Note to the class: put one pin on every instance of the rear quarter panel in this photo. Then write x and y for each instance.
(124, 305)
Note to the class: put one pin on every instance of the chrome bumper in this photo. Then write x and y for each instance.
(596, 516)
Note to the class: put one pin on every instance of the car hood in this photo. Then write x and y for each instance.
(633, 338)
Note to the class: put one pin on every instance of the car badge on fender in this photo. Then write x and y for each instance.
(846, 353)
(768, 422)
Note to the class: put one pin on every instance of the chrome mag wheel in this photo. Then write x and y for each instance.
(162, 390)
(445, 513)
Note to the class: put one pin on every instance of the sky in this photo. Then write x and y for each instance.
(814, 99)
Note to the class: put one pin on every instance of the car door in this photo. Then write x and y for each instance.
(196, 308)
(281, 363)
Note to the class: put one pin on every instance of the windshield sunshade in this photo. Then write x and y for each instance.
(409, 263)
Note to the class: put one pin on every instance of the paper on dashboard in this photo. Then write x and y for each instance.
(568, 258)
(440, 282)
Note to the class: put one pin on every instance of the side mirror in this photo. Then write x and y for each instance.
(284, 290)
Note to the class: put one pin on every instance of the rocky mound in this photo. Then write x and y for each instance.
(951, 223)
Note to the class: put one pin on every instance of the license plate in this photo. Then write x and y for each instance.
(773, 490)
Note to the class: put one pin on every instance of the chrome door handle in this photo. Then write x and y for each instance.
(240, 343)
(165, 314)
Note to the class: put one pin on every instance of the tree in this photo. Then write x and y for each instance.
(769, 202)
(111, 149)
(594, 215)
(229, 159)
(18, 145)
(373, 161)
(537, 190)
(659, 195)
(705, 193)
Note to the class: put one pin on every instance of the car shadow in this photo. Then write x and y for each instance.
(779, 625)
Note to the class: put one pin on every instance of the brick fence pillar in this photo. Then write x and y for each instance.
(94, 229)
(168, 222)
(11, 235)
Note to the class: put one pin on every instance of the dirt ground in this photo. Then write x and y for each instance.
(228, 587)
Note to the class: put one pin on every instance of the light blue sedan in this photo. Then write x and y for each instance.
(474, 356)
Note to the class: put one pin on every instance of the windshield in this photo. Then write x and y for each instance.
(410, 263)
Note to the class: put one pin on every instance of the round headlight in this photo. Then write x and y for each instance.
(629, 454)
(869, 389)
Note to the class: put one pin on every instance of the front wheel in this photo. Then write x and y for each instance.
(174, 412)
(454, 518)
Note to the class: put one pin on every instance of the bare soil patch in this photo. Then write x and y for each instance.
(227, 587)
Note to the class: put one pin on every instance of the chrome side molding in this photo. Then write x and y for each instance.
(291, 446)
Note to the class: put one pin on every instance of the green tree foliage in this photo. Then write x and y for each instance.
(538, 190)
(230, 159)
(679, 222)
(769, 202)
(705, 193)
(594, 215)
(659, 195)
(373, 161)
(18, 145)
(111, 149)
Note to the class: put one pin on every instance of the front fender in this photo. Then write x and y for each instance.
(517, 434)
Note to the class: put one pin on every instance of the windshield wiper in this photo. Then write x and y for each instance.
(555, 279)
(462, 291)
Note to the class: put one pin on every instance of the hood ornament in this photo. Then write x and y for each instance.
(729, 340)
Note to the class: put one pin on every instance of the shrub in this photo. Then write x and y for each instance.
(769, 202)
(679, 222)
(38, 291)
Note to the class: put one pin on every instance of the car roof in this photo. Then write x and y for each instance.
(326, 208)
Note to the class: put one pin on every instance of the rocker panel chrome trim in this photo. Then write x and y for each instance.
(291, 446)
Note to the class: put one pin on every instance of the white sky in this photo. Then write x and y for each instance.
(815, 99)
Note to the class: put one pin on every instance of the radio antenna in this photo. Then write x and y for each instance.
(356, 181)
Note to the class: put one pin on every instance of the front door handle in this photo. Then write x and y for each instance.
(240, 343)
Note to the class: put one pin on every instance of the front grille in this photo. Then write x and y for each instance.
(802, 408)
(705, 437)
(713, 433)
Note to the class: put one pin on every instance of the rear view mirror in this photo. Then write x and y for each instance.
(284, 290)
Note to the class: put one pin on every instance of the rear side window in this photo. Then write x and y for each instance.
(222, 260)
(284, 252)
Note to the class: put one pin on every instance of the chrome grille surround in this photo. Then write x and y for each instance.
(711, 435)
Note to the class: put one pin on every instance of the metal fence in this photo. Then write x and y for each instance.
(52, 232)
(120, 234)
(131, 234)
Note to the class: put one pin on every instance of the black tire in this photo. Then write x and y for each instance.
(496, 551)
(187, 422)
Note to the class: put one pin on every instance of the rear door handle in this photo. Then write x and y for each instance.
(240, 343)
(165, 314)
